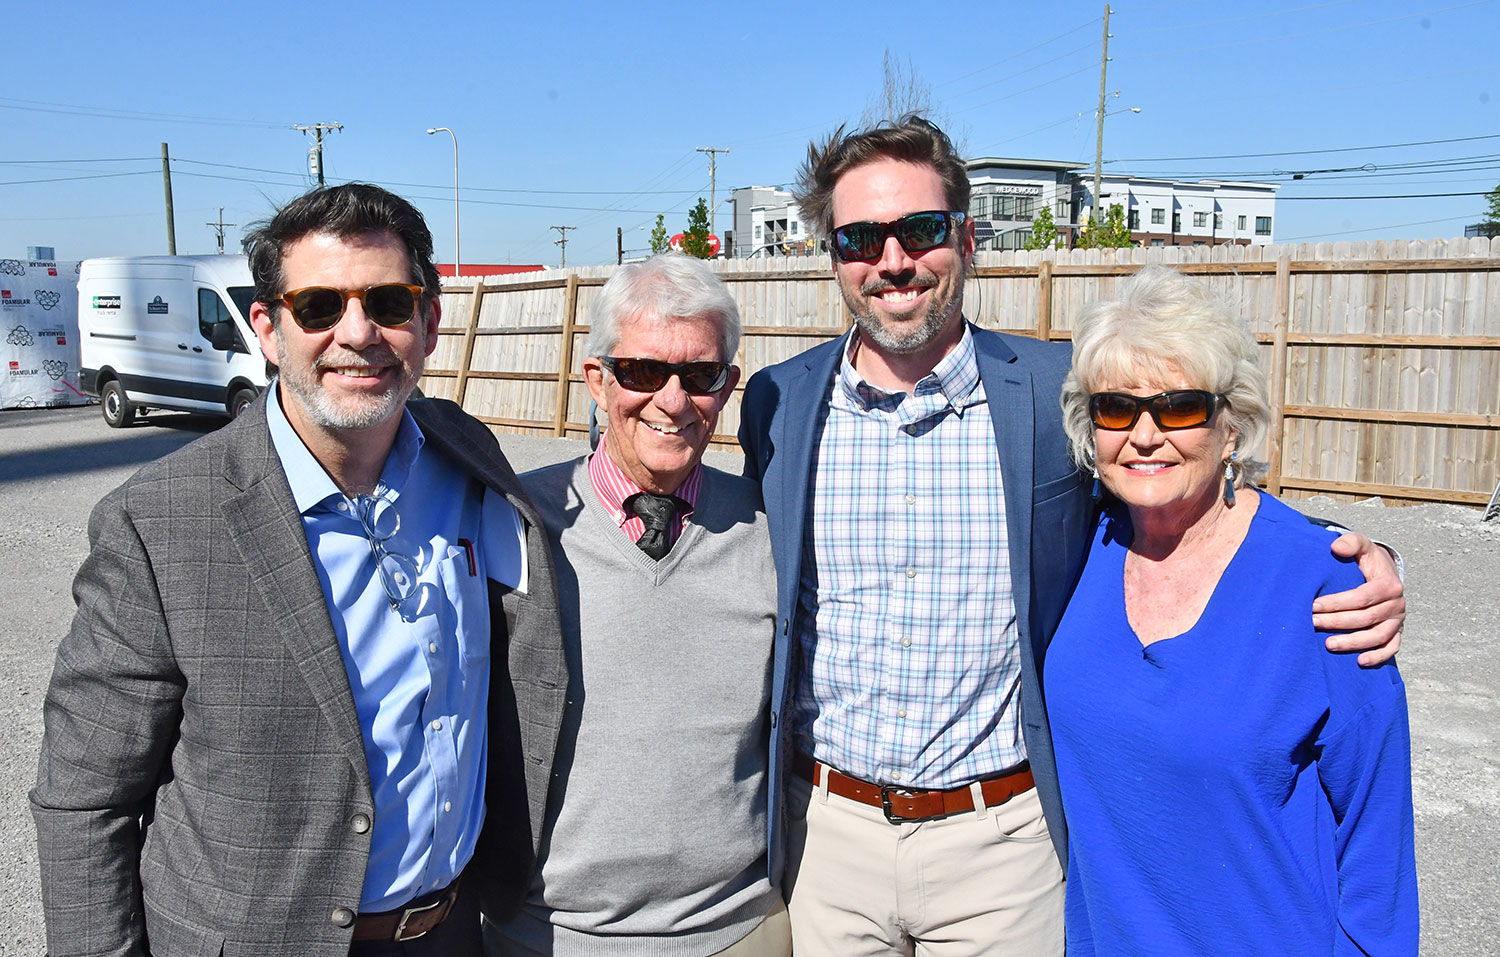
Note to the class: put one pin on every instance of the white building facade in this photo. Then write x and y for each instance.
(1008, 194)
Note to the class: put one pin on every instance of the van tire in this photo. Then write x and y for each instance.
(118, 412)
(238, 401)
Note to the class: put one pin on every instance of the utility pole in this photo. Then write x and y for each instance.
(218, 227)
(713, 207)
(619, 245)
(166, 181)
(317, 151)
(562, 231)
(1099, 142)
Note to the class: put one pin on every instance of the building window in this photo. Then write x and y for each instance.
(1158, 242)
(1005, 207)
(1023, 236)
(794, 227)
(1158, 217)
(1200, 220)
(1023, 208)
(1262, 225)
(757, 230)
(1176, 222)
(1242, 224)
(1061, 213)
(1218, 220)
(1134, 220)
(981, 207)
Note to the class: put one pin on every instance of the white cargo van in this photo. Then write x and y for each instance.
(168, 332)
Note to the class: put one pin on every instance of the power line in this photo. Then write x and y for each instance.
(69, 179)
(1342, 149)
(1286, 199)
(68, 109)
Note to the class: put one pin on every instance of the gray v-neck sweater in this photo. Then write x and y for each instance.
(655, 838)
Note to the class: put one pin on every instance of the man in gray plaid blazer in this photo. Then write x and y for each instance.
(311, 695)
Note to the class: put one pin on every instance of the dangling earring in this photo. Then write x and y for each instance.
(1229, 478)
(1098, 491)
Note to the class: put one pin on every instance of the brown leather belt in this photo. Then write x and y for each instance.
(421, 916)
(905, 805)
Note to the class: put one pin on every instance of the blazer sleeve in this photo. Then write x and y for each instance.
(110, 716)
(756, 407)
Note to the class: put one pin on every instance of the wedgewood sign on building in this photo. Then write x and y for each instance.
(39, 326)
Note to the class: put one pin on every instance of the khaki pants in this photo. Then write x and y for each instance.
(772, 937)
(982, 882)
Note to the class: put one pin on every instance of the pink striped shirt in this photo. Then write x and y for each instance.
(613, 487)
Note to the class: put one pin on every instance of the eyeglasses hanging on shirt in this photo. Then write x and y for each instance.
(398, 573)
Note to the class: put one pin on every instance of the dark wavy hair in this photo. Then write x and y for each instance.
(352, 209)
(911, 139)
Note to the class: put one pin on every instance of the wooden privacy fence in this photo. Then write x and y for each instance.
(1383, 358)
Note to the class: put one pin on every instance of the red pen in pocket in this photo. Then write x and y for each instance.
(468, 548)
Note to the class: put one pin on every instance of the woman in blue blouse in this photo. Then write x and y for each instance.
(1230, 787)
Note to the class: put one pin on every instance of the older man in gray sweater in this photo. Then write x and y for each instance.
(655, 834)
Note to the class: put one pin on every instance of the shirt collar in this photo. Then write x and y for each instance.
(310, 483)
(613, 486)
(954, 377)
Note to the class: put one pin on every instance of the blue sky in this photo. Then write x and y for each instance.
(589, 114)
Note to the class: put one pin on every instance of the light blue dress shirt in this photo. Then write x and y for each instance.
(419, 670)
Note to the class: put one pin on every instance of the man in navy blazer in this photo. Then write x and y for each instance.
(927, 528)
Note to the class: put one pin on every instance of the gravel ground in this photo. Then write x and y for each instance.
(55, 463)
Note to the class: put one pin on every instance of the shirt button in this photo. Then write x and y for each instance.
(905, 642)
(360, 823)
(895, 775)
(900, 712)
(342, 916)
(911, 499)
(343, 506)
(447, 806)
(911, 571)
(437, 725)
(432, 647)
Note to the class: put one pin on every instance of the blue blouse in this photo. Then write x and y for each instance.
(1237, 788)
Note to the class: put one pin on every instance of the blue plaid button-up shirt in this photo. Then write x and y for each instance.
(910, 670)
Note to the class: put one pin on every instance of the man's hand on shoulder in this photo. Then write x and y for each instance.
(1371, 615)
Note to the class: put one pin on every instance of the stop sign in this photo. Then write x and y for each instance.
(675, 243)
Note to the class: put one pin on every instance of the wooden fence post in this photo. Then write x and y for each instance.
(1280, 318)
(565, 355)
(468, 346)
(1044, 300)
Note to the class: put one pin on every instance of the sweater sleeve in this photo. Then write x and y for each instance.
(1364, 764)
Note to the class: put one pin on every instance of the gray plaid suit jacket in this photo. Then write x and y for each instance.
(203, 786)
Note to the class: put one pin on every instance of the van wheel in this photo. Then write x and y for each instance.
(238, 401)
(118, 412)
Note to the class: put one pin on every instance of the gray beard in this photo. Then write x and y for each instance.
(912, 341)
(328, 414)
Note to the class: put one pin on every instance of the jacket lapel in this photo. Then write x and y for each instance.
(266, 530)
(1008, 390)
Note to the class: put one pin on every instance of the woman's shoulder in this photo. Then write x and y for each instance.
(1285, 537)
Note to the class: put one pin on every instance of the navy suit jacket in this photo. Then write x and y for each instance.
(1047, 513)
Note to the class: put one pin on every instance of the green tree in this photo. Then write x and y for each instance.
(695, 238)
(1490, 225)
(659, 240)
(1113, 233)
(1043, 231)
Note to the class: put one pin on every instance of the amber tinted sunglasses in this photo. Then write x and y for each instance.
(1178, 409)
(316, 308)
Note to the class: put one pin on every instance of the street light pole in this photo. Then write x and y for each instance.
(444, 129)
